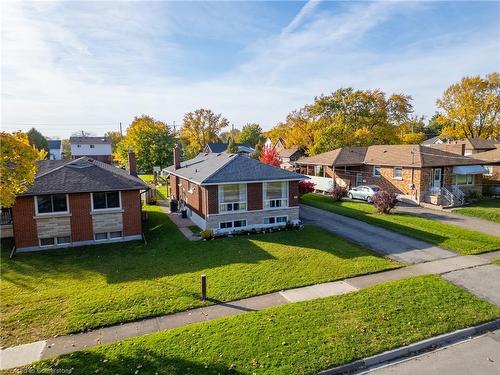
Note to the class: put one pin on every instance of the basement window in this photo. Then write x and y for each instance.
(101, 236)
(49, 241)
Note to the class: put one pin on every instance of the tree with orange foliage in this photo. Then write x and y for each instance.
(270, 156)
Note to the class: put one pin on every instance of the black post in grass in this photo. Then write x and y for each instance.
(203, 287)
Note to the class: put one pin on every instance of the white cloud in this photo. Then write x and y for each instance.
(106, 64)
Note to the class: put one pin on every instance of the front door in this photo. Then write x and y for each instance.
(359, 179)
(436, 180)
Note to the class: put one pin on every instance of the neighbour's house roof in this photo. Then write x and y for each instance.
(392, 155)
(54, 144)
(480, 143)
(288, 152)
(430, 141)
(492, 156)
(222, 147)
(220, 168)
(89, 140)
(81, 175)
(339, 157)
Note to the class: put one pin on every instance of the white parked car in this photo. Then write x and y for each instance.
(364, 192)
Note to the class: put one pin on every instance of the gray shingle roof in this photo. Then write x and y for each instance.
(89, 140)
(216, 168)
(81, 175)
(222, 147)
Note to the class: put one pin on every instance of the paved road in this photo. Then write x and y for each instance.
(394, 245)
(483, 281)
(473, 223)
(480, 355)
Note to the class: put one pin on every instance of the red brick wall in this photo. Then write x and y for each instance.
(131, 205)
(25, 232)
(81, 220)
(193, 198)
(254, 196)
(213, 199)
(293, 193)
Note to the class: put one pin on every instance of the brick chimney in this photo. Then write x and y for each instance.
(177, 157)
(132, 165)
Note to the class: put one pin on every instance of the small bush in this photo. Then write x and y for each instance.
(474, 194)
(384, 201)
(338, 192)
(306, 187)
(207, 234)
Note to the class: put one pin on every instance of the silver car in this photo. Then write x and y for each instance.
(364, 192)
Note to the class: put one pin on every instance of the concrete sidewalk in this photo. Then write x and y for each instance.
(28, 353)
(448, 217)
(391, 244)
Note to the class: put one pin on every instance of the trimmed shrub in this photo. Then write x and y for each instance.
(306, 187)
(384, 201)
(338, 192)
(207, 234)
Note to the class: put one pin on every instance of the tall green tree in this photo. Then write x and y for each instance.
(434, 126)
(251, 134)
(231, 147)
(115, 137)
(201, 127)
(225, 136)
(37, 140)
(471, 108)
(18, 166)
(152, 142)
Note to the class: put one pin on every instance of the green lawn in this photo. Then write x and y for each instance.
(487, 209)
(448, 236)
(161, 191)
(496, 261)
(61, 291)
(300, 338)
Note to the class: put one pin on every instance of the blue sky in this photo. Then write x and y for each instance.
(73, 65)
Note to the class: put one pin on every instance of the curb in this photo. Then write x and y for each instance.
(412, 349)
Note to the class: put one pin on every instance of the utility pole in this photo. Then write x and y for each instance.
(121, 133)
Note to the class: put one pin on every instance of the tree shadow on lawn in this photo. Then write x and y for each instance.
(167, 253)
(142, 360)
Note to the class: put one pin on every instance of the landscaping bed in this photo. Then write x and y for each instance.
(300, 338)
(487, 209)
(448, 236)
(61, 291)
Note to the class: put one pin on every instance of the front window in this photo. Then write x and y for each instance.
(319, 171)
(92, 146)
(397, 173)
(232, 197)
(376, 171)
(275, 194)
(106, 200)
(51, 203)
(463, 179)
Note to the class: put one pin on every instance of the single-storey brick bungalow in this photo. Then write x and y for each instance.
(78, 202)
(229, 192)
(418, 173)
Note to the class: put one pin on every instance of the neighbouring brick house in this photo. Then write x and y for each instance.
(78, 202)
(491, 179)
(227, 193)
(97, 148)
(418, 173)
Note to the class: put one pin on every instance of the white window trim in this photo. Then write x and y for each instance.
(104, 239)
(374, 169)
(220, 191)
(232, 224)
(264, 200)
(396, 177)
(113, 209)
(275, 222)
(57, 213)
(56, 243)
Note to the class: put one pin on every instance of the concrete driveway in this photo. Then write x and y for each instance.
(468, 222)
(479, 355)
(393, 245)
(483, 281)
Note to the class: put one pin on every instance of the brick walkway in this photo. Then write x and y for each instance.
(28, 353)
